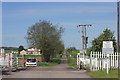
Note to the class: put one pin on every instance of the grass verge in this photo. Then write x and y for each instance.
(103, 74)
(31, 56)
(46, 64)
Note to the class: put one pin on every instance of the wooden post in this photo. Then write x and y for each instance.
(22, 61)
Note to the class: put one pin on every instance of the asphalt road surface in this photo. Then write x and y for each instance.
(59, 71)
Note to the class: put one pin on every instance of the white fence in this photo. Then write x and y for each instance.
(99, 61)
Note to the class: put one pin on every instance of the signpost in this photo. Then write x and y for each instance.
(108, 49)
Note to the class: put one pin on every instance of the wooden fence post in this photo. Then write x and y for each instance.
(22, 61)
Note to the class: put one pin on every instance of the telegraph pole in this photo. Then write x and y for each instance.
(118, 27)
(118, 31)
(84, 38)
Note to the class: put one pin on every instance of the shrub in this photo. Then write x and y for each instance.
(56, 60)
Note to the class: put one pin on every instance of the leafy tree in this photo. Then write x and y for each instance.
(47, 37)
(107, 35)
(20, 49)
(71, 49)
(88, 51)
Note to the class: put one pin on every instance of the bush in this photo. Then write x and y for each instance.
(56, 60)
(72, 61)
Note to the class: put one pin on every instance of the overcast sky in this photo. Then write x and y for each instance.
(17, 17)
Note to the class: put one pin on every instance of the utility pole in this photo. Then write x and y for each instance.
(118, 27)
(84, 38)
(118, 30)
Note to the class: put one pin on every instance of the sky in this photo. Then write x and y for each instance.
(17, 17)
(0, 23)
(59, 0)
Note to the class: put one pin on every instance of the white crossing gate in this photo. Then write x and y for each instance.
(9, 60)
(100, 61)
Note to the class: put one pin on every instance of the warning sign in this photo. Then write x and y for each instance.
(108, 47)
(107, 44)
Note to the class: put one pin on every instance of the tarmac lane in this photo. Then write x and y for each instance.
(58, 71)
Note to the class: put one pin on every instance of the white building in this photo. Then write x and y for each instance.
(31, 51)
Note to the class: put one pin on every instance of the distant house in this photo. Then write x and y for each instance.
(31, 51)
(23, 52)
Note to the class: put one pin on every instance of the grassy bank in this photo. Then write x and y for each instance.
(103, 74)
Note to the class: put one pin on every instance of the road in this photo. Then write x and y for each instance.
(59, 71)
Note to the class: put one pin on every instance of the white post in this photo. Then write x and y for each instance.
(1, 51)
(107, 63)
(96, 61)
(79, 63)
(104, 61)
(111, 60)
(78, 60)
(91, 61)
(115, 59)
(100, 61)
